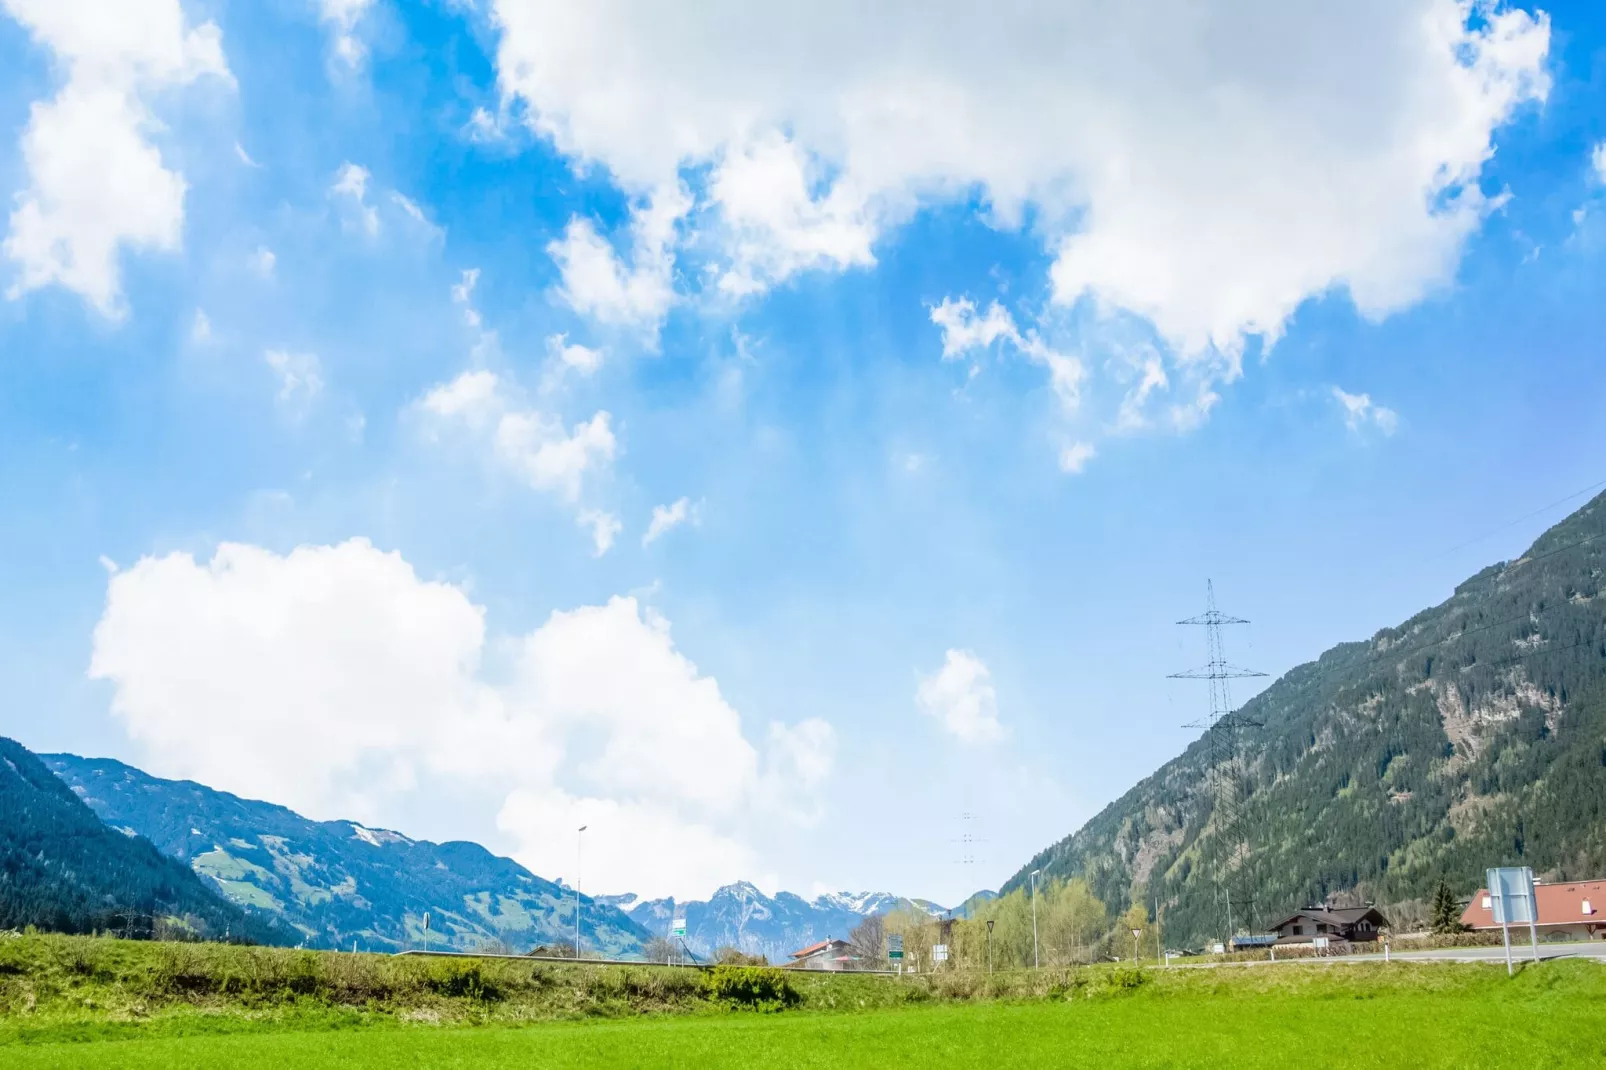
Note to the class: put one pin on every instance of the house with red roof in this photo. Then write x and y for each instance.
(828, 954)
(1568, 910)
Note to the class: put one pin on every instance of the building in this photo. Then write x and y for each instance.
(828, 954)
(1568, 910)
(1353, 924)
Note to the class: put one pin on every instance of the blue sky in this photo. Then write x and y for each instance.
(335, 420)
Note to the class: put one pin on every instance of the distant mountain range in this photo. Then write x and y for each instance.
(1471, 735)
(62, 869)
(339, 883)
(740, 916)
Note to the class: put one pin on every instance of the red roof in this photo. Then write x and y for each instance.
(1563, 903)
(815, 949)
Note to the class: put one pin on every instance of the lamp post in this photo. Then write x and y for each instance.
(989, 946)
(579, 840)
(1036, 962)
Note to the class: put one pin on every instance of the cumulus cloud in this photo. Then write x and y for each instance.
(963, 330)
(96, 184)
(1204, 167)
(1360, 412)
(598, 283)
(331, 678)
(342, 17)
(1597, 163)
(533, 445)
(960, 696)
(665, 518)
(579, 358)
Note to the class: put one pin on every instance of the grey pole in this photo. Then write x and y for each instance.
(1036, 963)
(989, 946)
(579, 839)
(1533, 915)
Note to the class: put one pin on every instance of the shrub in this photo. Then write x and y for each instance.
(1126, 977)
(465, 981)
(759, 987)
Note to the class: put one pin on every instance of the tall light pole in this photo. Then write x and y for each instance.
(579, 840)
(1036, 964)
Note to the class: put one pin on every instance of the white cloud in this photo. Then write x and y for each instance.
(201, 328)
(605, 527)
(263, 261)
(597, 283)
(1360, 410)
(666, 518)
(960, 696)
(582, 359)
(329, 679)
(96, 184)
(531, 444)
(243, 156)
(342, 16)
(300, 377)
(963, 331)
(1597, 163)
(483, 127)
(351, 183)
(1074, 458)
(1204, 167)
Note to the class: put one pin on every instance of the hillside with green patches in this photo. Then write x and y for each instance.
(339, 883)
(1471, 735)
(62, 869)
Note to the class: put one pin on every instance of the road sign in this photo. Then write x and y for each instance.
(895, 946)
(939, 952)
(1511, 900)
(679, 927)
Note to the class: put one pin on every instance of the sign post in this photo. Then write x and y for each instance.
(895, 950)
(1511, 899)
(677, 929)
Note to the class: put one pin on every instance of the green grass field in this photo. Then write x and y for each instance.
(88, 1004)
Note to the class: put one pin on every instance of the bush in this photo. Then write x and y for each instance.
(758, 987)
(465, 981)
(1126, 977)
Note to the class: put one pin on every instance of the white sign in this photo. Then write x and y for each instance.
(678, 927)
(939, 952)
(1319, 941)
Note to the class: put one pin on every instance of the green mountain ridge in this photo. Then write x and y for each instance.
(339, 882)
(1472, 735)
(61, 869)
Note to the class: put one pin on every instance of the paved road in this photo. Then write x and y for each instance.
(1520, 952)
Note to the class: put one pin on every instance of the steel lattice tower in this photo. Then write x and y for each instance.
(1235, 872)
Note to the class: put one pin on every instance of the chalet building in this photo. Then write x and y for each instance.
(1354, 925)
(1568, 910)
(828, 954)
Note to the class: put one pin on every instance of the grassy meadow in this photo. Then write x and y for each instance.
(84, 1002)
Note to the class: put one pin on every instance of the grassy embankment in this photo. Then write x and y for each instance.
(67, 1001)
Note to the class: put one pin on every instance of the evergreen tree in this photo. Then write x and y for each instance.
(1446, 911)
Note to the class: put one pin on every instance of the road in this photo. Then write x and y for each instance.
(1520, 952)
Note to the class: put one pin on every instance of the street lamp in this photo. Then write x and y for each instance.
(990, 946)
(579, 839)
(1036, 963)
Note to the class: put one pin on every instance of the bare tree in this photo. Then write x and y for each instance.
(659, 949)
(869, 940)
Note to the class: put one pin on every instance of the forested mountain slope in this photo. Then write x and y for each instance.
(1472, 735)
(61, 869)
(338, 882)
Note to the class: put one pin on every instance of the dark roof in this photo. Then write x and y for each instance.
(1336, 916)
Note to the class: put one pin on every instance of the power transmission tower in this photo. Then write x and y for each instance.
(1235, 869)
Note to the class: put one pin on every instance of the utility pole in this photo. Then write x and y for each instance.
(579, 840)
(1036, 963)
(1235, 870)
(989, 947)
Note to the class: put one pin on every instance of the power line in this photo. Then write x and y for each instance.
(1513, 523)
